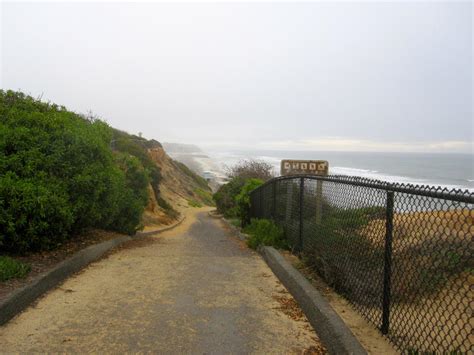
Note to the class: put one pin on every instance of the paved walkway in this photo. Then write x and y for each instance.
(193, 289)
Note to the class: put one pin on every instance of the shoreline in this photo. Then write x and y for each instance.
(337, 167)
(212, 163)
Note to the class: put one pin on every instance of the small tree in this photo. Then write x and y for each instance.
(251, 169)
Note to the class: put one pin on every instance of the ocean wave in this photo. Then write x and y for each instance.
(375, 175)
(229, 159)
(270, 160)
(342, 169)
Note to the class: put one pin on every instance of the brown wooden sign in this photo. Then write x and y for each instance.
(307, 167)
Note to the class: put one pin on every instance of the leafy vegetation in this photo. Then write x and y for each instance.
(233, 198)
(169, 210)
(201, 182)
(137, 147)
(265, 232)
(243, 200)
(194, 203)
(346, 220)
(253, 172)
(11, 268)
(225, 197)
(338, 251)
(235, 222)
(205, 196)
(58, 175)
(251, 169)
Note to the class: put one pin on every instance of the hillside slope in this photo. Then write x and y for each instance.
(178, 189)
(173, 186)
(64, 173)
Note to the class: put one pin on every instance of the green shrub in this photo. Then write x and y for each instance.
(235, 222)
(138, 147)
(169, 210)
(265, 232)
(338, 236)
(11, 268)
(199, 180)
(225, 197)
(194, 203)
(134, 195)
(58, 176)
(243, 200)
(34, 214)
(205, 196)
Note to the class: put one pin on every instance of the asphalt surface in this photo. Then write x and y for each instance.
(194, 289)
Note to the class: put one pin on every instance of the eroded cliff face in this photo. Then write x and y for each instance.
(177, 188)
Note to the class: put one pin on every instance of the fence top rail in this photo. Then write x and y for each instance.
(457, 195)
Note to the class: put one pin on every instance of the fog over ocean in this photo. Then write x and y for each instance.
(447, 170)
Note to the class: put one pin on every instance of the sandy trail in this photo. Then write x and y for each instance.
(194, 289)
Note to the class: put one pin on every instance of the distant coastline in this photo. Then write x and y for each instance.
(197, 160)
(446, 170)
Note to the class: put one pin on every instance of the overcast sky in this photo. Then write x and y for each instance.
(326, 76)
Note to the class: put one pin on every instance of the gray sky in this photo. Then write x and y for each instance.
(325, 76)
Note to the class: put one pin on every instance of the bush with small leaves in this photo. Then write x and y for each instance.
(58, 176)
(265, 232)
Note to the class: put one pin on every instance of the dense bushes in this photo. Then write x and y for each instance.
(233, 198)
(11, 268)
(58, 176)
(265, 232)
(136, 146)
(233, 201)
(134, 195)
(243, 200)
(251, 169)
(253, 172)
(33, 213)
(226, 195)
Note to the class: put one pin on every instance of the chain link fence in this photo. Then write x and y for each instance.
(401, 254)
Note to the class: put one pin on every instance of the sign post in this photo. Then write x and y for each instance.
(306, 167)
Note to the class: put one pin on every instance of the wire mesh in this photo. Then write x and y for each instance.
(401, 254)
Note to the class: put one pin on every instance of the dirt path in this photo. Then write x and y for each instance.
(194, 289)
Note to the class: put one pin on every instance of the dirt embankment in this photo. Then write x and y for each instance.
(179, 187)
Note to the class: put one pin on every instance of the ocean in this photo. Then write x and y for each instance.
(447, 170)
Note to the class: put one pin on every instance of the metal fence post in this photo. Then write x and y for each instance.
(387, 270)
(274, 200)
(300, 239)
(288, 208)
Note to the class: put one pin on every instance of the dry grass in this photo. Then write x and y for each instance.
(432, 277)
(413, 228)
